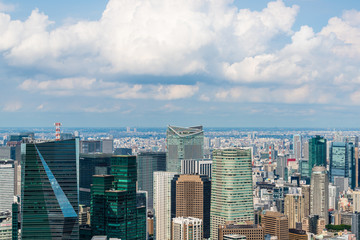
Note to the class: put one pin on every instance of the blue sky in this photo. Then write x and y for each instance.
(223, 63)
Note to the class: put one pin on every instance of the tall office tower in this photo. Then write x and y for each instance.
(305, 191)
(5, 152)
(342, 183)
(281, 164)
(313, 224)
(356, 201)
(355, 225)
(342, 162)
(319, 193)
(6, 185)
(187, 228)
(190, 197)
(122, 214)
(276, 224)
(98, 210)
(306, 150)
(91, 164)
(297, 140)
(333, 196)
(17, 178)
(355, 141)
(162, 204)
(49, 194)
(107, 145)
(231, 188)
(294, 208)
(15, 220)
(147, 164)
(253, 232)
(196, 166)
(141, 214)
(317, 152)
(183, 143)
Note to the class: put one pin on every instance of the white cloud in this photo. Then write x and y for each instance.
(92, 87)
(12, 106)
(6, 7)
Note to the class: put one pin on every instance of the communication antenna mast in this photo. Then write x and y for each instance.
(57, 131)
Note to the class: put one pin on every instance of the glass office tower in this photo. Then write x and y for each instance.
(183, 143)
(342, 162)
(49, 195)
(317, 152)
(231, 188)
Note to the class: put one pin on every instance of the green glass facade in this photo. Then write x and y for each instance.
(116, 202)
(183, 143)
(231, 188)
(317, 152)
(49, 182)
(15, 221)
(101, 183)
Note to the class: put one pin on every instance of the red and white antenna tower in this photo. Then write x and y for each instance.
(57, 131)
(270, 154)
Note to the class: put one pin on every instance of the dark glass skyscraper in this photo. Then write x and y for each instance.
(147, 164)
(49, 206)
(342, 162)
(121, 217)
(317, 152)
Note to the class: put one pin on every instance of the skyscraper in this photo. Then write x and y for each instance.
(196, 166)
(342, 162)
(355, 226)
(317, 152)
(6, 185)
(294, 208)
(191, 198)
(231, 188)
(183, 143)
(319, 193)
(162, 204)
(297, 140)
(49, 204)
(147, 164)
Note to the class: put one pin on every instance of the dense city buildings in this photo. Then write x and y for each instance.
(231, 188)
(147, 164)
(319, 193)
(190, 196)
(183, 143)
(49, 196)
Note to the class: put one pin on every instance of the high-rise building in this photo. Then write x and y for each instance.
(317, 152)
(342, 162)
(196, 166)
(183, 143)
(281, 164)
(250, 231)
(98, 210)
(294, 208)
(162, 204)
(49, 195)
(91, 164)
(147, 164)
(333, 196)
(305, 191)
(191, 198)
(186, 228)
(275, 224)
(304, 168)
(125, 214)
(355, 225)
(342, 183)
(319, 193)
(231, 188)
(356, 201)
(297, 141)
(6, 185)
